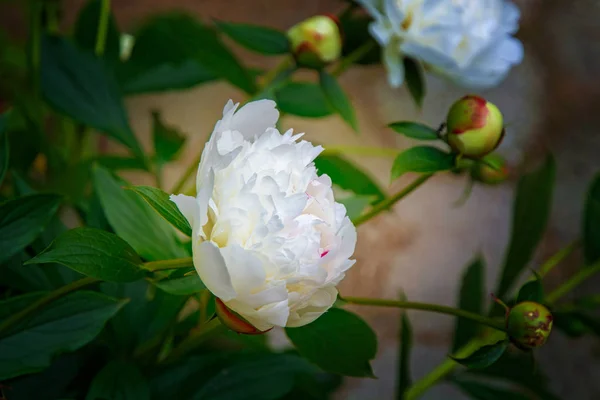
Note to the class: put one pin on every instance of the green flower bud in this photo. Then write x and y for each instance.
(529, 324)
(475, 126)
(316, 41)
(234, 321)
(483, 173)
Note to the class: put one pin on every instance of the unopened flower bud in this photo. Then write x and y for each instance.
(316, 41)
(475, 126)
(234, 321)
(529, 324)
(484, 173)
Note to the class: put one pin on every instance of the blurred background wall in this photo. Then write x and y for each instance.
(551, 103)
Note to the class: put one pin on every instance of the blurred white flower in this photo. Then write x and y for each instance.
(468, 41)
(268, 238)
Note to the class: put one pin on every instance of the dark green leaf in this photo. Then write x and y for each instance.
(482, 391)
(86, 31)
(303, 99)
(406, 339)
(261, 39)
(338, 341)
(118, 163)
(569, 323)
(415, 81)
(591, 223)
(160, 202)
(22, 220)
(119, 380)
(530, 216)
(337, 98)
(414, 130)
(265, 377)
(181, 38)
(12, 305)
(345, 175)
(64, 325)
(4, 151)
(355, 205)
(484, 356)
(471, 299)
(77, 84)
(531, 291)
(167, 140)
(181, 286)
(134, 220)
(591, 302)
(355, 26)
(94, 253)
(422, 159)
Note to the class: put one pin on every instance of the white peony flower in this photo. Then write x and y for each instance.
(268, 238)
(468, 41)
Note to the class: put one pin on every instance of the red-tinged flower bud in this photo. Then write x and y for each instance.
(529, 324)
(233, 321)
(475, 126)
(316, 41)
(484, 173)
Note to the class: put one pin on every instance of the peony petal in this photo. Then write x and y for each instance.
(211, 268)
(255, 118)
(245, 268)
(320, 302)
(188, 207)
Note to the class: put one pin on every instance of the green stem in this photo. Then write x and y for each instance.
(363, 151)
(102, 27)
(169, 264)
(436, 308)
(573, 282)
(58, 293)
(272, 74)
(558, 258)
(352, 58)
(192, 342)
(390, 201)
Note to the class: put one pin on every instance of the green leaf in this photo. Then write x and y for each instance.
(530, 216)
(576, 323)
(94, 253)
(4, 150)
(119, 380)
(422, 159)
(134, 220)
(180, 40)
(63, 325)
(15, 304)
(415, 81)
(119, 163)
(303, 99)
(77, 83)
(167, 140)
(355, 205)
(181, 286)
(355, 25)
(338, 341)
(484, 356)
(264, 377)
(482, 391)
(414, 130)
(22, 220)
(348, 177)
(337, 98)
(406, 340)
(261, 39)
(471, 299)
(86, 31)
(160, 202)
(591, 223)
(531, 291)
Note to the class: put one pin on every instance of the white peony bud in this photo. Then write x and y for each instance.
(268, 238)
(468, 41)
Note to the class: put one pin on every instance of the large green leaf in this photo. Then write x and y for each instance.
(406, 340)
(422, 159)
(15, 304)
(530, 216)
(4, 150)
(338, 341)
(303, 99)
(261, 39)
(181, 285)
(414, 130)
(86, 31)
(63, 325)
(591, 223)
(119, 380)
(531, 291)
(160, 202)
(94, 253)
(167, 140)
(415, 80)
(484, 356)
(180, 40)
(471, 299)
(78, 84)
(23, 219)
(134, 220)
(355, 205)
(482, 391)
(348, 177)
(337, 98)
